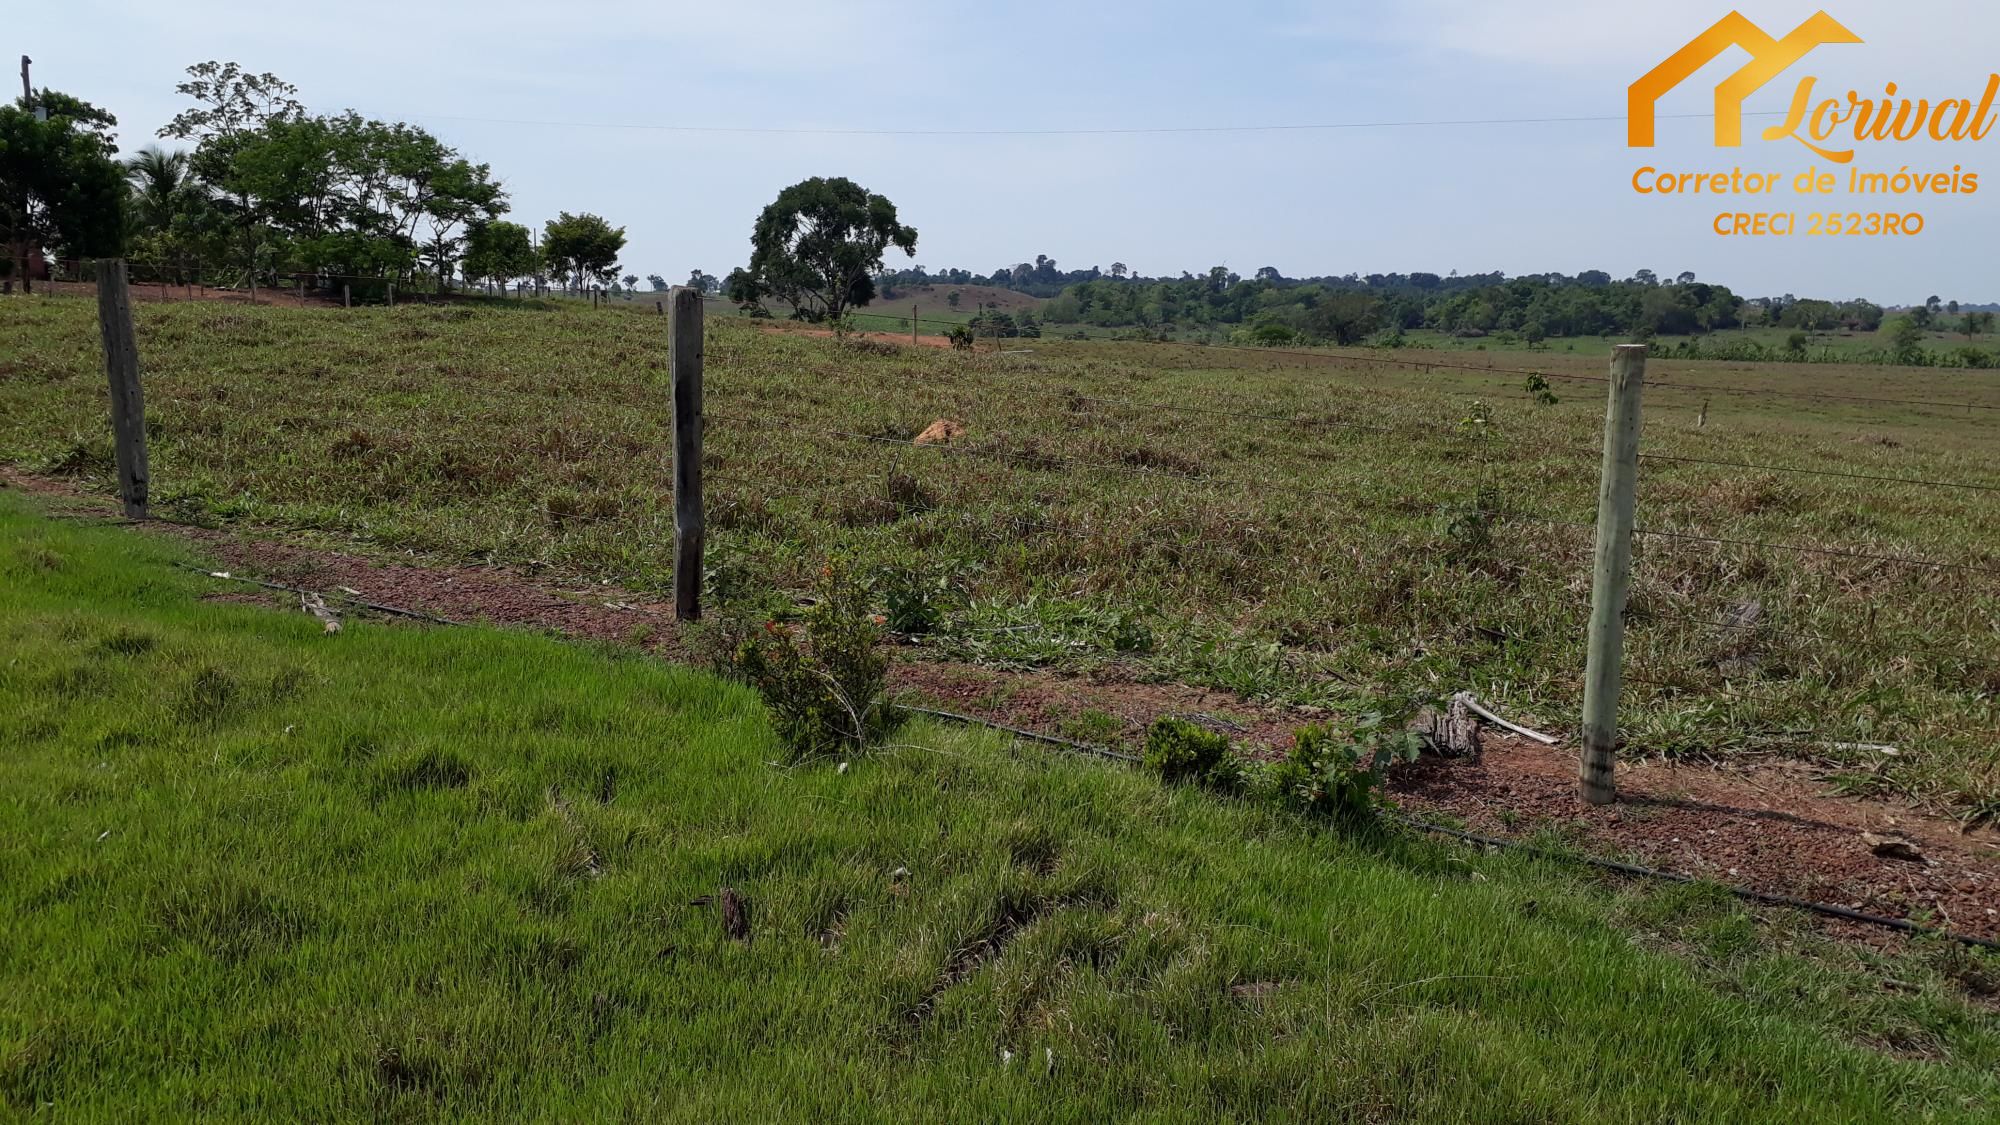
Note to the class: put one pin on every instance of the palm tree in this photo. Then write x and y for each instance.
(161, 186)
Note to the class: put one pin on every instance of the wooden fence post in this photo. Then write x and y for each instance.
(392, 294)
(684, 361)
(346, 295)
(121, 364)
(1611, 574)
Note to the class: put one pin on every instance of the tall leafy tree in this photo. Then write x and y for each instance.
(61, 186)
(582, 248)
(818, 246)
(231, 105)
(499, 251)
(1345, 318)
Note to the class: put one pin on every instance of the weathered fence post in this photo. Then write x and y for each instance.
(392, 294)
(1611, 574)
(121, 364)
(913, 323)
(684, 361)
(346, 295)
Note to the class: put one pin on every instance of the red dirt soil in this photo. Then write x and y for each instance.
(1764, 822)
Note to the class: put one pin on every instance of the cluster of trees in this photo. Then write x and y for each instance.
(1040, 278)
(268, 187)
(61, 186)
(1272, 308)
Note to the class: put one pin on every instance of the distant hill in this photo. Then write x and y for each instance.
(933, 299)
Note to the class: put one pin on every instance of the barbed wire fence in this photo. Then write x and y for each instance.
(1617, 528)
(193, 279)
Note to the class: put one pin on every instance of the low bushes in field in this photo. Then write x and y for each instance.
(826, 690)
(1184, 752)
(1333, 772)
(1343, 774)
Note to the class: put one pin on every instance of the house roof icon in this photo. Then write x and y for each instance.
(1768, 58)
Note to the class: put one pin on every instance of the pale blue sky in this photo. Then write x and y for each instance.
(1520, 198)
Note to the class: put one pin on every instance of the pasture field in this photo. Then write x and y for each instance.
(1836, 347)
(1307, 528)
(1840, 343)
(258, 872)
(934, 313)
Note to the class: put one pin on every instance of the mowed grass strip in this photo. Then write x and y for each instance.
(1286, 525)
(255, 871)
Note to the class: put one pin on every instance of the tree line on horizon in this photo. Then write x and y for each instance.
(1271, 308)
(267, 187)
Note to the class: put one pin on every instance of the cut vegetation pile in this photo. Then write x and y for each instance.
(1296, 528)
(256, 870)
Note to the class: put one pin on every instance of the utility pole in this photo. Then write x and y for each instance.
(28, 91)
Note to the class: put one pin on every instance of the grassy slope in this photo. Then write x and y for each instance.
(255, 871)
(1266, 556)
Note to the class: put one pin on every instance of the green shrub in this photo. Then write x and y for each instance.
(1342, 775)
(827, 696)
(914, 601)
(1180, 751)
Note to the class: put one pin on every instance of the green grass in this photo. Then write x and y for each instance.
(935, 314)
(1329, 550)
(1836, 345)
(252, 871)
